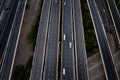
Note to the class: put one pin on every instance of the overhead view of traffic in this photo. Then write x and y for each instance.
(59, 39)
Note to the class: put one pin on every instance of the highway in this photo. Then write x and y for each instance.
(52, 49)
(67, 48)
(2, 6)
(104, 48)
(103, 14)
(7, 24)
(10, 51)
(115, 16)
(40, 48)
(80, 50)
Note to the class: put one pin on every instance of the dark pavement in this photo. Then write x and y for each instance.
(115, 17)
(103, 44)
(8, 61)
(51, 58)
(80, 50)
(68, 62)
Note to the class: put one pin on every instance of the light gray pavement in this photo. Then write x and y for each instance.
(41, 41)
(80, 50)
(52, 49)
(111, 43)
(95, 67)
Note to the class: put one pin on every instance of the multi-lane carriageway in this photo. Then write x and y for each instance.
(105, 52)
(73, 54)
(11, 45)
(115, 17)
(48, 45)
(72, 46)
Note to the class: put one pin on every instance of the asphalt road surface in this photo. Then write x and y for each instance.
(81, 58)
(103, 14)
(2, 6)
(115, 16)
(51, 59)
(7, 24)
(8, 61)
(38, 58)
(67, 59)
(102, 40)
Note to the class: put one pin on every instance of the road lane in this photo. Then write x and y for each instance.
(115, 16)
(67, 53)
(103, 14)
(51, 64)
(80, 51)
(8, 61)
(39, 53)
(2, 6)
(7, 24)
(104, 48)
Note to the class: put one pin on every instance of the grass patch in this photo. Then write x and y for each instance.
(19, 73)
(32, 35)
(28, 4)
(118, 4)
(22, 72)
(90, 38)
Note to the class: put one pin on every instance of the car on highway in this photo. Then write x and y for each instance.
(63, 71)
(64, 37)
(64, 3)
(56, 1)
(70, 44)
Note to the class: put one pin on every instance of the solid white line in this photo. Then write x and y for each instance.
(35, 54)
(107, 41)
(17, 40)
(47, 40)
(97, 39)
(116, 8)
(75, 50)
(1, 15)
(84, 40)
(6, 46)
(113, 21)
(72, 25)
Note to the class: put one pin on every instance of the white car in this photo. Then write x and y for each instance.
(64, 37)
(63, 71)
(64, 3)
(70, 44)
(56, 1)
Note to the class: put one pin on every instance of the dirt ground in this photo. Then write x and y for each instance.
(24, 50)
